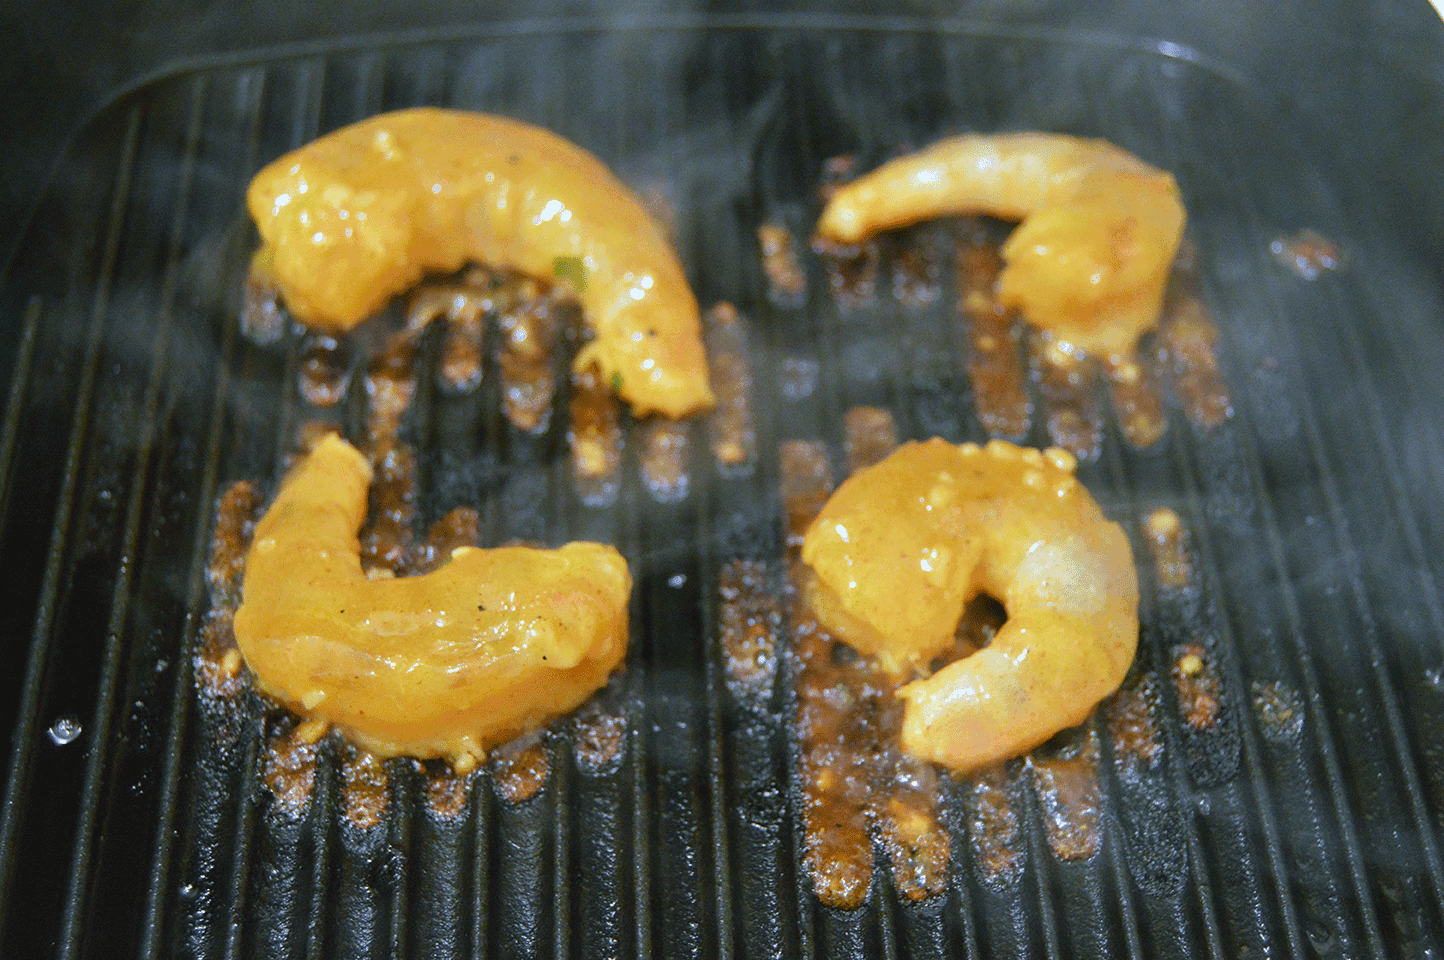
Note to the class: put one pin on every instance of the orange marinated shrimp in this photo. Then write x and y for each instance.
(359, 215)
(446, 664)
(1099, 229)
(903, 545)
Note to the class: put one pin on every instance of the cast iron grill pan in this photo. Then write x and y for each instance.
(135, 820)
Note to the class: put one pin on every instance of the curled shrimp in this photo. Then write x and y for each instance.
(1090, 259)
(450, 663)
(903, 545)
(359, 215)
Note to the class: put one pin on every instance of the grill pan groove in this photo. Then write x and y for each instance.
(20, 772)
(1327, 486)
(1243, 743)
(120, 615)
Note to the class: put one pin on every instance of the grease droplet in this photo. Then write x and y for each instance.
(65, 730)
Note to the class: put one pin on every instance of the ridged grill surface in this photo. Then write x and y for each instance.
(1300, 817)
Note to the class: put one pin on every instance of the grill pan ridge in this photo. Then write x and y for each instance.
(135, 403)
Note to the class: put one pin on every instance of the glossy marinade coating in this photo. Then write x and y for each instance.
(359, 215)
(903, 545)
(449, 663)
(1089, 261)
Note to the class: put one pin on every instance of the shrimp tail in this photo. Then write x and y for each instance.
(1014, 694)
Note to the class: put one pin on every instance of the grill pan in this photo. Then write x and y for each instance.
(1303, 820)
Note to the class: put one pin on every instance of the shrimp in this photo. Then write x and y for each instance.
(903, 545)
(1091, 257)
(450, 663)
(355, 217)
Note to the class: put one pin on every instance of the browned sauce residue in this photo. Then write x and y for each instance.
(598, 738)
(1195, 676)
(520, 773)
(995, 366)
(594, 436)
(993, 824)
(218, 664)
(1136, 399)
(236, 515)
(364, 784)
(529, 333)
(856, 783)
(786, 281)
(219, 670)
(806, 485)
(917, 257)
(664, 459)
(734, 433)
(263, 320)
(851, 269)
(834, 749)
(386, 539)
(1307, 253)
(1186, 341)
(321, 377)
(1132, 727)
(390, 387)
(905, 807)
(461, 361)
(870, 434)
(1067, 385)
(459, 528)
(851, 272)
(1066, 781)
(1280, 711)
(288, 766)
(447, 792)
(468, 296)
(465, 303)
(1167, 544)
(749, 618)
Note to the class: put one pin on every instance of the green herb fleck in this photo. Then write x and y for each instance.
(572, 270)
(616, 381)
